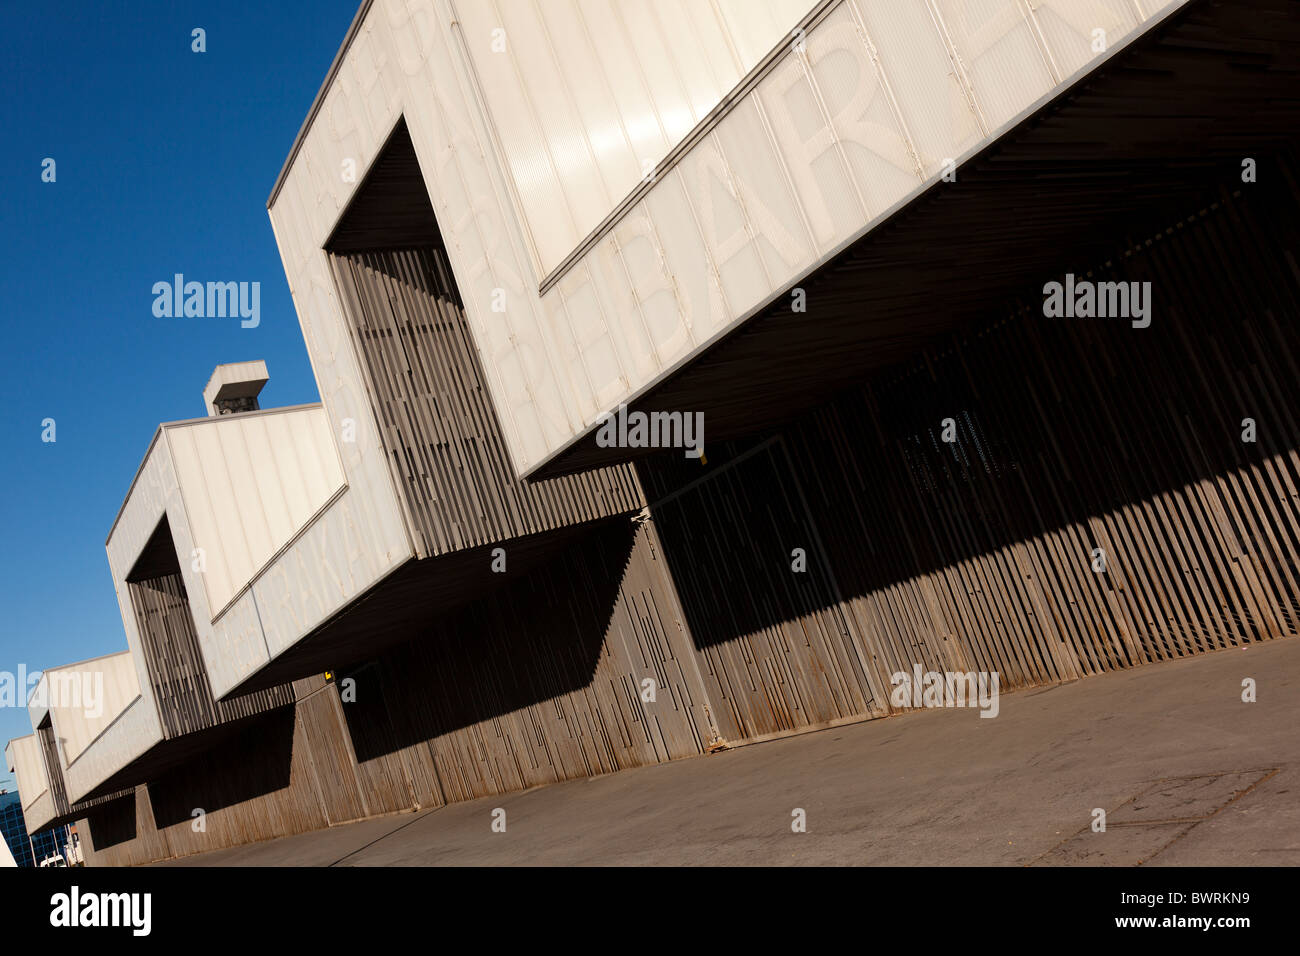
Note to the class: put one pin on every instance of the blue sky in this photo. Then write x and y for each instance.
(164, 158)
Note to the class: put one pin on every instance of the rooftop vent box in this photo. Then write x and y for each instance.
(234, 388)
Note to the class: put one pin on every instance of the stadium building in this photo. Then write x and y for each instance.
(987, 311)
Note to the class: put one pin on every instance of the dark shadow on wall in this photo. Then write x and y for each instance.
(1152, 135)
(251, 762)
(1059, 423)
(112, 823)
(537, 638)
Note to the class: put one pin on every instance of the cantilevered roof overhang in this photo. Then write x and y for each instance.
(847, 120)
(405, 606)
(1156, 133)
(218, 507)
(71, 707)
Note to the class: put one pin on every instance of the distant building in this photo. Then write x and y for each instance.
(14, 829)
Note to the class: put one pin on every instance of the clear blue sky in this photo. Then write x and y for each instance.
(165, 158)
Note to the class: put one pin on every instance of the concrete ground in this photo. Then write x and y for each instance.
(1186, 771)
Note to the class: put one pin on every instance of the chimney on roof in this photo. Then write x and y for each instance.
(234, 388)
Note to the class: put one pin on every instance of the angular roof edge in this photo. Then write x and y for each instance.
(353, 30)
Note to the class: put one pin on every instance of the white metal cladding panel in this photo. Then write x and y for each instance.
(233, 646)
(40, 813)
(844, 137)
(587, 95)
(757, 27)
(157, 493)
(836, 136)
(689, 267)
(133, 733)
(487, 251)
(361, 536)
(840, 133)
(999, 53)
(104, 687)
(250, 482)
(935, 104)
(1069, 27)
(328, 566)
(28, 764)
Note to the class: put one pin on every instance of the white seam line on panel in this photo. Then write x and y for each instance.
(479, 103)
(708, 62)
(1027, 10)
(604, 75)
(280, 473)
(535, 115)
(572, 103)
(721, 20)
(609, 331)
(261, 628)
(667, 273)
(655, 111)
(508, 415)
(673, 65)
(636, 297)
(814, 246)
(617, 337)
(959, 68)
(257, 491)
(579, 349)
(206, 494)
(733, 186)
(713, 275)
(873, 54)
(828, 121)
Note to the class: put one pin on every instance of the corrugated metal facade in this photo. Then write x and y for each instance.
(82, 700)
(53, 808)
(543, 682)
(50, 752)
(974, 555)
(251, 483)
(444, 443)
(176, 672)
(260, 783)
(585, 97)
(817, 145)
(1071, 439)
